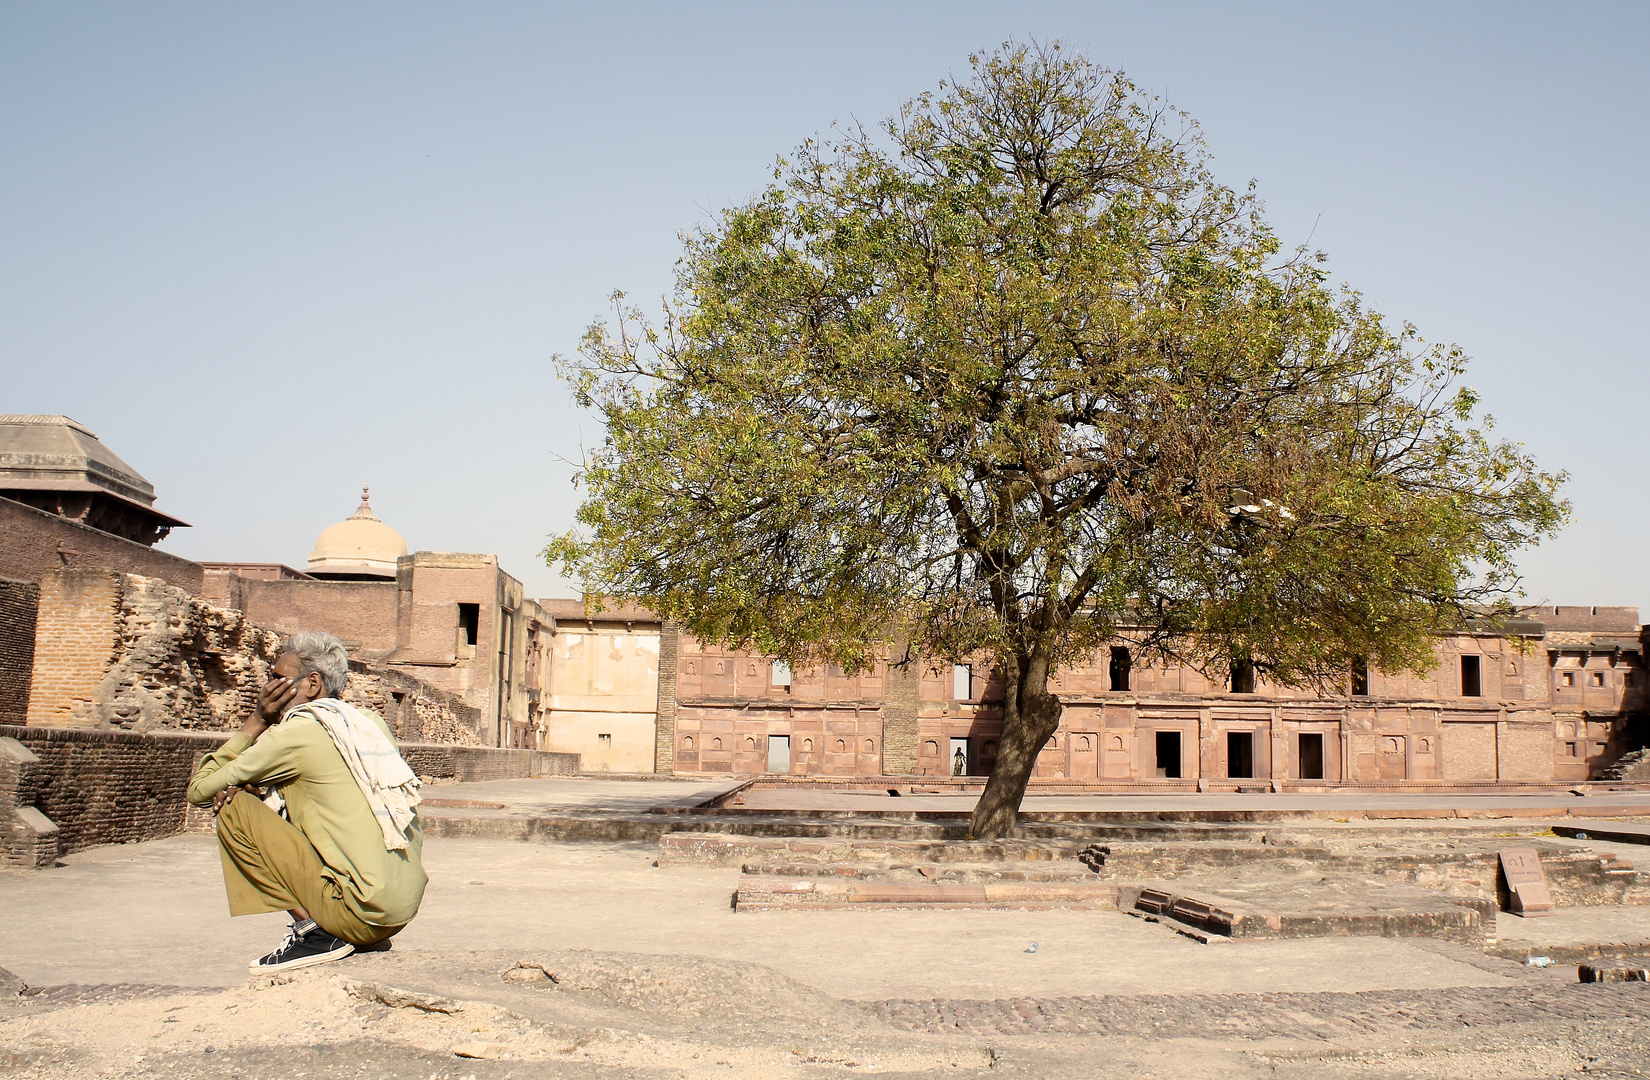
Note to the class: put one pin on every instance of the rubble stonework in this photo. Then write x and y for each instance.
(120, 651)
(414, 710)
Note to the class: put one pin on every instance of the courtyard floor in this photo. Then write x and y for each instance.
(138, 971)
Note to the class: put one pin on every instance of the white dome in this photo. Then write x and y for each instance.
(360, 546)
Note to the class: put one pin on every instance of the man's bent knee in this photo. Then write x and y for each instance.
(234, 814)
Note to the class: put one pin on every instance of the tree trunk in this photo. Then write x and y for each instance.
(1030, 715)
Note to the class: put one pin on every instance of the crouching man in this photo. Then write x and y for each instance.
(343, 855)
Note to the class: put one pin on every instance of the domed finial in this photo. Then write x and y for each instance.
(364, 511)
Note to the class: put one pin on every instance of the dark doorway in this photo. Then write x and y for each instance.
(1311, 751)
(1121, 663)
(469, 622)
(1243, 677)
(1472, 678)
(1240, 754)
(1168, 755)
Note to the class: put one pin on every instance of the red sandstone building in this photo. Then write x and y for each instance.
(1558, 697)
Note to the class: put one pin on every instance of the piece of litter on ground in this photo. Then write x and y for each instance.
(1033, 947)
(1539, 961)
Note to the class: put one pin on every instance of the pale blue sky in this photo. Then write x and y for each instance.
(267, 252)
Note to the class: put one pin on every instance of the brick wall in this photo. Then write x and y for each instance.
(27, 837)
(116, 787)
(33, 542)
(19, 601)
(360, 613)
(899, 726)
(106, 787)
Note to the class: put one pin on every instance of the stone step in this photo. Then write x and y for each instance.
(945, 872)
(772, 893)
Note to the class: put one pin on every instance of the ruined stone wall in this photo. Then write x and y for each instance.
(33, 542)
(414, 710)
(118, 651)
(123, 651)
(19, 602)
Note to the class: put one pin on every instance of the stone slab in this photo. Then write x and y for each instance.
(1526, 884)
(1622, 832)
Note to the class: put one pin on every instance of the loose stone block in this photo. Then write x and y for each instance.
(1526, 884)
(1600, 971)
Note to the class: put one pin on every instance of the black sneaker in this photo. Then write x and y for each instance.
(303, 950)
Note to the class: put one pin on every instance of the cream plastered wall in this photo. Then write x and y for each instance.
(604, 683)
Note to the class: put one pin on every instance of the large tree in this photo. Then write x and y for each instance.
(1013, 373)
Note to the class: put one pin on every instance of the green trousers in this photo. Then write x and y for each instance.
(269, 865)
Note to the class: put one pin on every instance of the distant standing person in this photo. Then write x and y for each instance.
(342, 856)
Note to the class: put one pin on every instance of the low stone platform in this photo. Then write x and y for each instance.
(1312, 906)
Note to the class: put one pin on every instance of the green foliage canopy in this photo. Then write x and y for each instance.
(988, 377)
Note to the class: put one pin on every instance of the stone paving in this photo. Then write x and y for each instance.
(1319, 1017)
(129, 940)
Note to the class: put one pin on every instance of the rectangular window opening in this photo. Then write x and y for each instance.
(1243, 677)
(469, 620)
(1472, 677)
(1168, 755)
(780, 674)
(1311, 755)
(605, 739)
(962, 682)
(1240, 754)
(1122, 662)
(1598, 678)
(1568, 678)
(1360, 677)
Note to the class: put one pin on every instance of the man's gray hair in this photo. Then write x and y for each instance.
(323, 654)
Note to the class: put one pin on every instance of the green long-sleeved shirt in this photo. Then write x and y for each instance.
(298, 758)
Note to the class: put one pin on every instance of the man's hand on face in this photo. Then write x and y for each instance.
(278, 694)
(286, 687)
